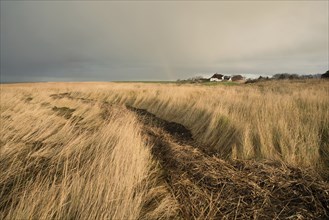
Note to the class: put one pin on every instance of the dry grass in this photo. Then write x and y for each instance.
(83, 154)
(284, 120)
(57, 162)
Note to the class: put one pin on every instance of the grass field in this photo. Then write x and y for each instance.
(162, 151)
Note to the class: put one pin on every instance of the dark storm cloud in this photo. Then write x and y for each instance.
(58, 40)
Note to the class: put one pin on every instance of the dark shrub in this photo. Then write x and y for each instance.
(325, 75)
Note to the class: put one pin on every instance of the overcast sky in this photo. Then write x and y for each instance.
(105, 41)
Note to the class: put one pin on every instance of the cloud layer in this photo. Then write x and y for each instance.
(58, 41)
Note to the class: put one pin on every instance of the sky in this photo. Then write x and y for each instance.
(163, 40)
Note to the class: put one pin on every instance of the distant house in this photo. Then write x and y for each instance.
(217, 77)
(215, 80)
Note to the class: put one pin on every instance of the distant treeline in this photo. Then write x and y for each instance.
(289, 76)
(278, 76)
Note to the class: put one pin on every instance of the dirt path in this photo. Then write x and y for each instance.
(207, 187)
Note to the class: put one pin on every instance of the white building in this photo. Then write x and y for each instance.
(215, 80)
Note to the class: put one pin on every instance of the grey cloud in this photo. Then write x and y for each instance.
(87, 40)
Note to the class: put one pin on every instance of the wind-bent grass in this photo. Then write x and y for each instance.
(283, 120)
(78, 167)
(66, 158)
(276, 120)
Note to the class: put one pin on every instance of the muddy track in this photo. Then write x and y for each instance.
(208, 187)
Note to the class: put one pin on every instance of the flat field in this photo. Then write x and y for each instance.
(161, 151)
